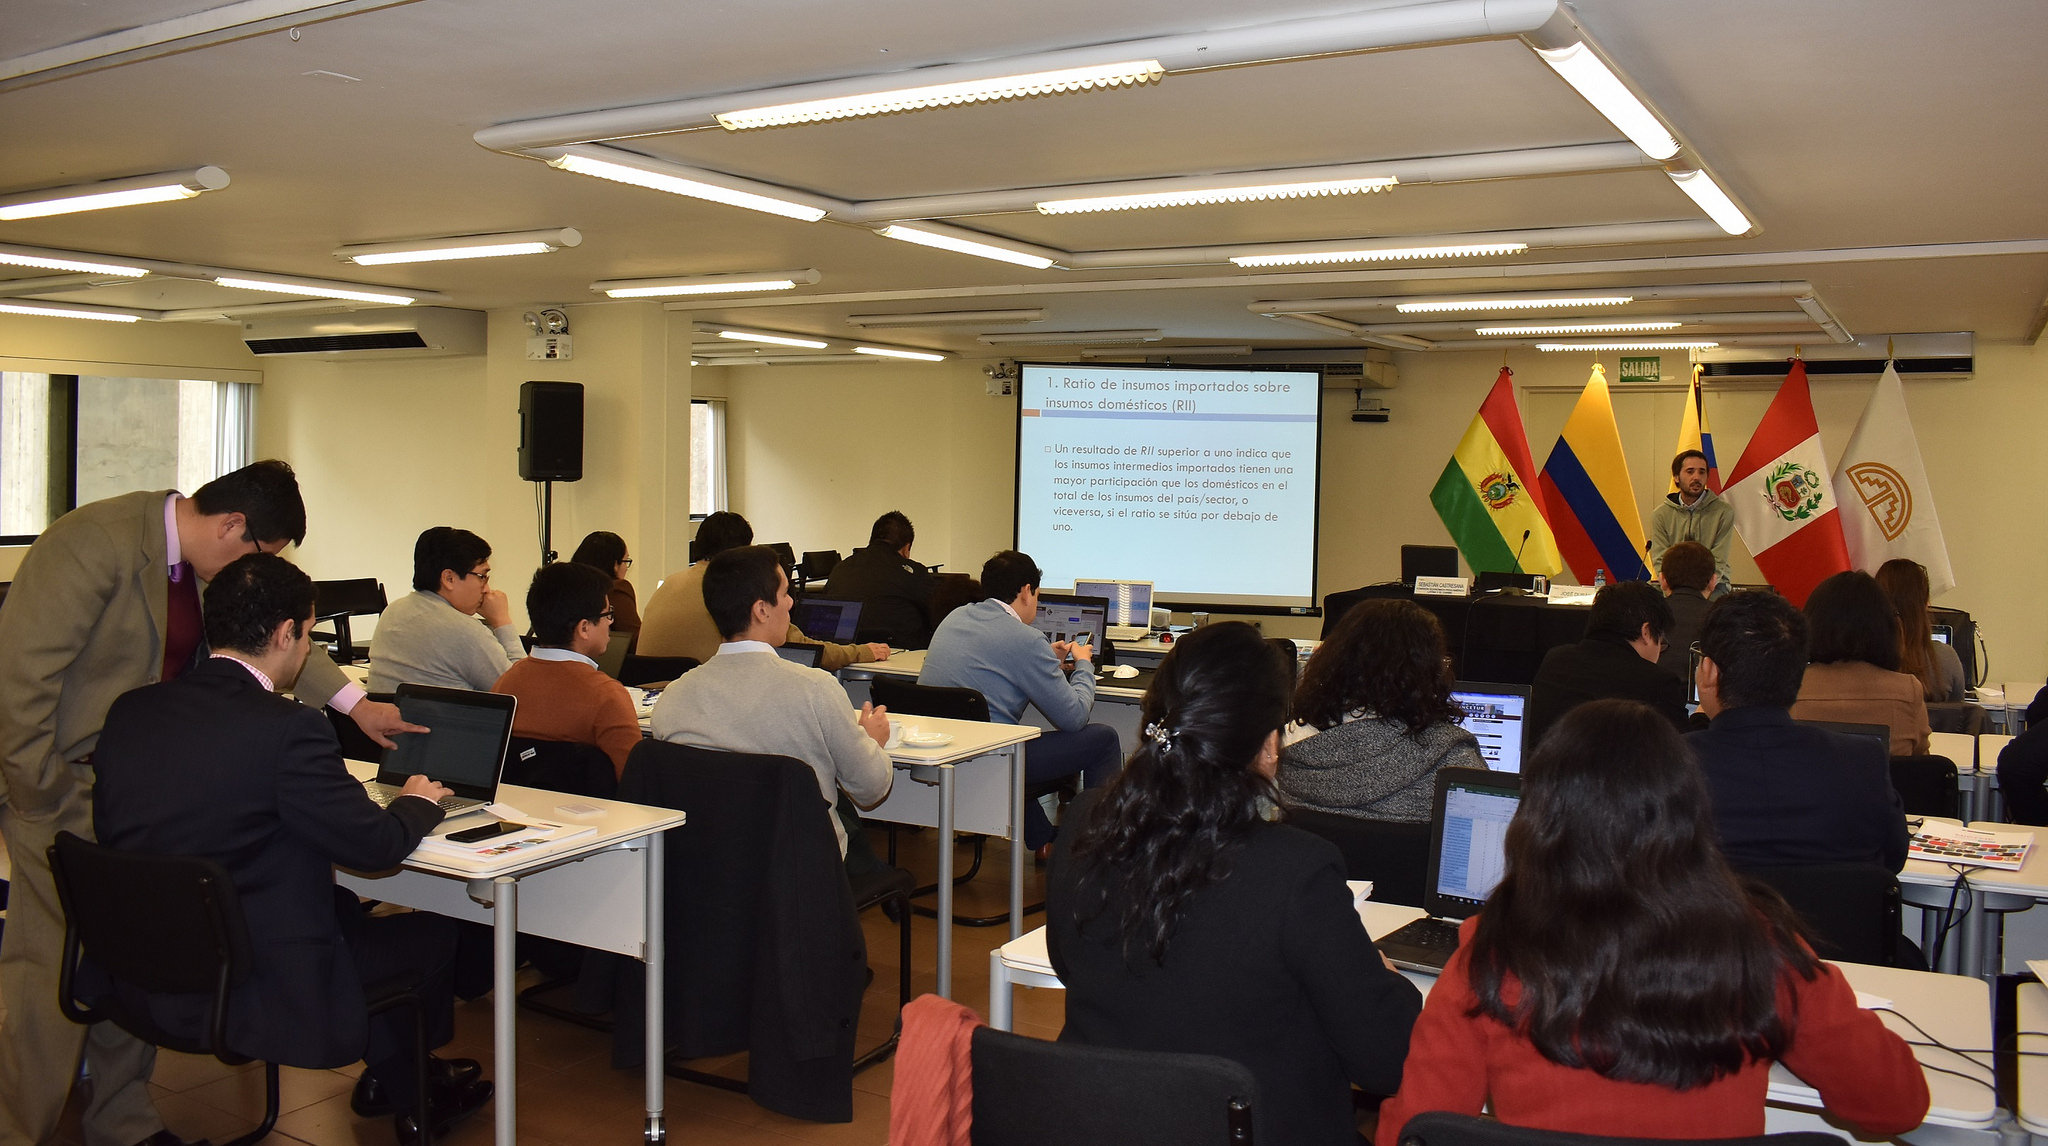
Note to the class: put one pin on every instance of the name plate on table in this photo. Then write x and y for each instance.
(1571, 594)
(1442, 587)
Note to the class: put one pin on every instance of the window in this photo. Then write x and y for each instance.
(69, 439)
(707, 458)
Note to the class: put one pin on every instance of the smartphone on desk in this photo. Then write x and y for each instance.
(484, 832)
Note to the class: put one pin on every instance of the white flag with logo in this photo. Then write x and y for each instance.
(1881, 483)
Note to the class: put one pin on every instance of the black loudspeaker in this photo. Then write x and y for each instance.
(551, 431)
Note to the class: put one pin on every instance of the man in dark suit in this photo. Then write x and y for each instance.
(216, 764)
(895, 592)
(1784, 793)
(1625, 631)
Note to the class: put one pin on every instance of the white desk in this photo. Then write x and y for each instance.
(2033, 1096)
(602, 890)
(1952, 1008)
(1116, 703)
(1993, 892)
(926, 791)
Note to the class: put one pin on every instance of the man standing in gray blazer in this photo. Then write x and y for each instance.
(107, 600)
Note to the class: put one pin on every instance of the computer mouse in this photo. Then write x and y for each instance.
(1124, 672)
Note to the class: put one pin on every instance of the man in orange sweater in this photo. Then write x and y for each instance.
(562, 693)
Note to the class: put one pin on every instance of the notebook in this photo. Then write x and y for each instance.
(1467, 856)
(1497, 715)
(465, 751)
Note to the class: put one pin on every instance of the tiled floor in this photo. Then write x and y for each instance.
(568, 1091)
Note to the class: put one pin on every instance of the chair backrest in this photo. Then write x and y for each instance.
(1927, 785)
(355, 597)
(1852, 909)
(1438, 1128)
(913, 699)
(1028, 1092)
(187, 907)
(636, 669)
(1959, 716)
(355, 743)
(819, 563)
(1393, 855)
(560, 766)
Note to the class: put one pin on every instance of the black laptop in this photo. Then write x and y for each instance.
(464, 752)
(1467, 856)
(822, 619)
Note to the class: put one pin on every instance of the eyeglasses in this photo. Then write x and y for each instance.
(607, 615)
(483, 575)
(626, 561)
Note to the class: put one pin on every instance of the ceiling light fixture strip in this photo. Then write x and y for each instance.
(687, 285)
(63, 310)
(1578, 328)
(711, 186)
(1119, 74)
(1380, 254)
(162, 188)
(316, 289)
(969, 243)
(1207, 195)
(61, 261)
(460, 247)
(1646, 344)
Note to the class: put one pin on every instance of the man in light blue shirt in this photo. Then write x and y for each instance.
(992, 648)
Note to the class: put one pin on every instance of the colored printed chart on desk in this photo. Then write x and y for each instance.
(1949, 844)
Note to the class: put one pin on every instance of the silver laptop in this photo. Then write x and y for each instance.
(1467, 857)
(464, 751)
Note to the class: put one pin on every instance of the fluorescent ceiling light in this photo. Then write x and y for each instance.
(1579, 328)
(887, 352)
(772, 339)
(694, 188)
(59, 310)
(1711, 199)
(1189, 350)
(112, 193)
(315, 290)
(1677, 344)
(705, 284)
(1611, 98)
(81, 265)
(945, 95)
(459, 247)
(1217, 195)
(945, 318)
(1483, 302)
(944, 241)
(1364, 256)
(1070, 337)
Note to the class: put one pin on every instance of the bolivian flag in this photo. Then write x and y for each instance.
(1586, 488)
(1487, 495)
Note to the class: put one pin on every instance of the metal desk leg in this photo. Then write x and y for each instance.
(504, 1001)
(654, 919)
(998, 992)
(945, 983)
(1017, 850)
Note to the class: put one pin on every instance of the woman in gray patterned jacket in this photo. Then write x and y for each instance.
(1374, 719)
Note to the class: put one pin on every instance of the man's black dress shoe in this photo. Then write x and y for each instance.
(451, 1103)
(372, 1100)
(166, 1138)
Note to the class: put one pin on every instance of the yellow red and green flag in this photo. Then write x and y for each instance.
(1487, 495)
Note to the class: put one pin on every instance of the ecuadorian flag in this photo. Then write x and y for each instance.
(1693, 434)
(1486, 497)
(1586, 488)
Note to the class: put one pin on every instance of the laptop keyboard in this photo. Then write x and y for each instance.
(384, 795)
(1431, 937)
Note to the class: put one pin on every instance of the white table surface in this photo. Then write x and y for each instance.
(2033, 1096)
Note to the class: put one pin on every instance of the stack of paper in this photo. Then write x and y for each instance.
(1951, 843)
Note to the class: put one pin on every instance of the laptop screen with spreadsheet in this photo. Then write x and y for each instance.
(1468, 839)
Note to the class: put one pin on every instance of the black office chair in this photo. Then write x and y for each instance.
(1028, 1092)
(1851, 909)
(818, 564)
(639, 670)
(1958, 716)
(1927, 785)
(1393, 855)
(738, 874)
(337, 601)
(560, 766)
(911, 699)
(198, 946)
(1438, 1128)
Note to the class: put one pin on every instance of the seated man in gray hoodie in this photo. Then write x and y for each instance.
(1693, 513)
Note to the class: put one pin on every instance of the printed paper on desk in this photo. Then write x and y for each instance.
(1947, 843)
(536, 834)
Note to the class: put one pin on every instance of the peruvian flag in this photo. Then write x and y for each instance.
(1784, 503)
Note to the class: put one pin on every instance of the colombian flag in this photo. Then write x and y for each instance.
(1486, 498)
(1587, 491)
(1694, 435)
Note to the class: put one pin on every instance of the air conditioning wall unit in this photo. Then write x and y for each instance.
(397, 332)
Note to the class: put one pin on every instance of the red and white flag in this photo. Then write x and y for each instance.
(1785, 506)
(1887, 507)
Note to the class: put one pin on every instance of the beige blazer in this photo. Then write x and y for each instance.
(1857, 692)
(84, 622)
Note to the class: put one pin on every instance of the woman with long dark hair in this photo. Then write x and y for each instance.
(1852, 672)
(1181, 918)
(607, 553)
(1623, 981)
(1940, 670)
(1374, 719)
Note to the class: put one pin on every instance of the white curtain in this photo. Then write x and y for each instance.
(707, 457)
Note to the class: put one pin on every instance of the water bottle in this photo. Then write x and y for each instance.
(1599, 578)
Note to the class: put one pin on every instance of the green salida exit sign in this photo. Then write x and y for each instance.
(1647, 369)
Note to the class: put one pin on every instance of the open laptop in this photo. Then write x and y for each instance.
(465, 751)
(1946, 634)
(805, 655)
(1428, 561)
(1071, 617)
(1498, 715)
(1467, 856)
(613, 658)
(823, 619)
(1130, 606)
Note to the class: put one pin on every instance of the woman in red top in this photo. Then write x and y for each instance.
(1623, 981)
